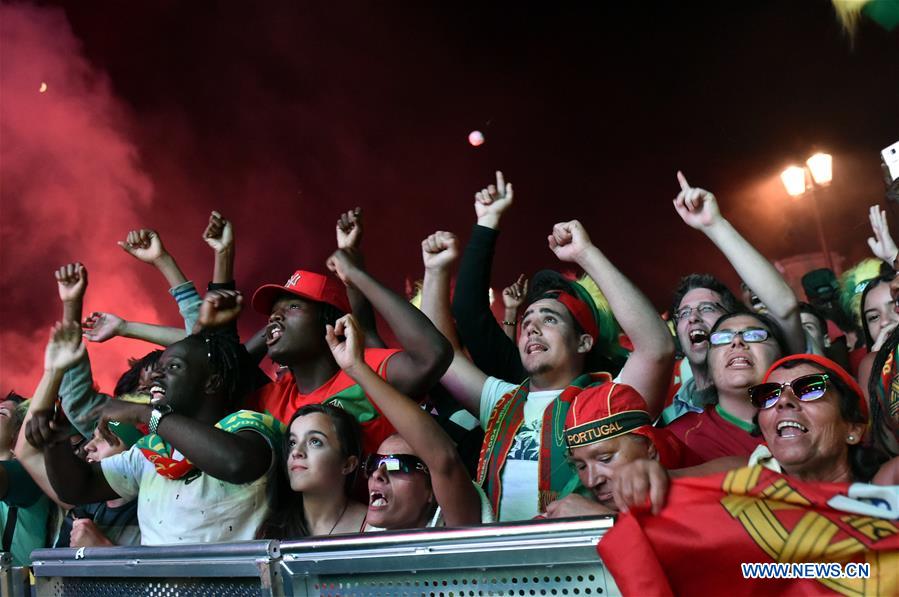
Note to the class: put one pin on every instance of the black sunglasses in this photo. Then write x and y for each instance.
(805, 388)
(394, 463)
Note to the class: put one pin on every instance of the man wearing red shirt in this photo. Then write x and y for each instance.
(295, 337)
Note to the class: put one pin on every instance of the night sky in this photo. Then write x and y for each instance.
(280, 115)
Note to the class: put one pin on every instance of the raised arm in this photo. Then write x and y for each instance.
(146, 245)
(219, 235)
(698, 208)
(100, 327)
(489, 346)
(513, 297)
(882, 244)
(77, 388)
(463, 380)
(648, 368)
(426, 353)
(450, 481)
(71, 282)
(42, 427)
(349, 238)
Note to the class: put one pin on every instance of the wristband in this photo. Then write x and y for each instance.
(156, 416)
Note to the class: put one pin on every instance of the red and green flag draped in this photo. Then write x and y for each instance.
(711, 525)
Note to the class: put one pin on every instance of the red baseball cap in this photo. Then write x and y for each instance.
(309, 285)
(612, 410)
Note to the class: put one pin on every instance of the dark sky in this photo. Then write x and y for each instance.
(281, 115)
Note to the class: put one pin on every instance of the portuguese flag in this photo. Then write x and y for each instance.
(712, 525)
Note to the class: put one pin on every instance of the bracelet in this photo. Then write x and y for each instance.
(156, 416)
(512, 323)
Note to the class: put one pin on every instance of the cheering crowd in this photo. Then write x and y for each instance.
(581, 401)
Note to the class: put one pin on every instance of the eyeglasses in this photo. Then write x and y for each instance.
(701, 308)
(394, 463)
(722, 337)
(805, 388)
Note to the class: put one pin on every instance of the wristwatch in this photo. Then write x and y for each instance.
(156, 415)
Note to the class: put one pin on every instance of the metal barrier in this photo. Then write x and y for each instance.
(15, 581)
(530, 558)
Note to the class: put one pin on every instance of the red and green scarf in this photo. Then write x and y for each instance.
(556, 475)
(159, 452)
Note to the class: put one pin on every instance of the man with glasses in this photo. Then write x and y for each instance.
(701, 299)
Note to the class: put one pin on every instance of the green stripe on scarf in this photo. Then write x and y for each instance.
(555, 477)
(159, 452)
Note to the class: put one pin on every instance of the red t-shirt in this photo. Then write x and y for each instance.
(281, 399)
(710, 435)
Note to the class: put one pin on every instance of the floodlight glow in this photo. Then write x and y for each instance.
(794, 180)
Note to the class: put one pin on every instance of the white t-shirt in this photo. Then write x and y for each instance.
(521, 473)
(203, 510)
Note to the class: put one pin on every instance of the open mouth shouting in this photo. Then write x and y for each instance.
(698, 337)
(377, 501)
(157, 394)
(789, 428)
(739, 361)
(534, 347)
(273, 333)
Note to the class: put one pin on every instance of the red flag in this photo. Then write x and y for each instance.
(712, 525)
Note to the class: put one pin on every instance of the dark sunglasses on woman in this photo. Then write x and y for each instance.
(805, 388)
(394, 463)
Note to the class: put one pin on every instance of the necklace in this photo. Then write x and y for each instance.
(342, 512)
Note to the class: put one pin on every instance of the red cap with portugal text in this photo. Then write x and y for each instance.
(612, 410)
(308, 285)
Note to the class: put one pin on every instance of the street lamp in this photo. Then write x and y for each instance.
(817, 172)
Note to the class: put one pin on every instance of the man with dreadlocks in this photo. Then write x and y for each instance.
(524, 463)
(202, 474)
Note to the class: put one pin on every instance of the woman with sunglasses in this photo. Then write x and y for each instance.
(812, 416)
(322, 451)
(742, 345)
(417, 478)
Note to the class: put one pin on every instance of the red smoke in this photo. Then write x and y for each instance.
(72, 185)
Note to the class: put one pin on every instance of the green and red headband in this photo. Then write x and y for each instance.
(580, 311)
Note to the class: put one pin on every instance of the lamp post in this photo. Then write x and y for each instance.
(817, 172)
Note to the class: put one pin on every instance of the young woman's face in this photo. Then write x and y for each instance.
(314, 459)
(879, 311)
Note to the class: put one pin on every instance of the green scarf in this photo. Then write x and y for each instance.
(556, 477)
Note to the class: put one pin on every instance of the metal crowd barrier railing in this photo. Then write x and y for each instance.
(531, 558)
(14, 580)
